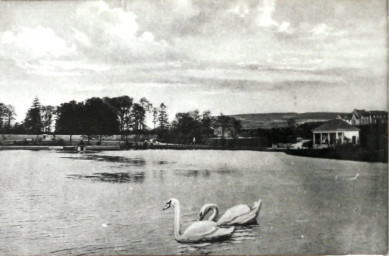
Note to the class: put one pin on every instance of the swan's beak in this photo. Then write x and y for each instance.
(167, 206)
(201, 216)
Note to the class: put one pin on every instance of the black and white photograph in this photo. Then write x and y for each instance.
(193, 127)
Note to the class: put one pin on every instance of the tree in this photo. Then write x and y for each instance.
(162, 119)
(98, 118)
(207, 122)
(33, 122)
(69, 118)
(146, 104)
(2, 114)
(122, 107)
(138, 117)
(47, 116)
(228, 124)
(18, 128)
(187, 126)
(236, 126)
(155, 116)
(9, 115)
(223, 123)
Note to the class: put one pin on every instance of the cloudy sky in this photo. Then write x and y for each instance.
(235, 56)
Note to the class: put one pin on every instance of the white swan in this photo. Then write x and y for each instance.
(199, 231)
(238, 215)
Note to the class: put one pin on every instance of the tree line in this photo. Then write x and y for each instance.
(196, 127)
(97, 117)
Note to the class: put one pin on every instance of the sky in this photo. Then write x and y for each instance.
(230, 56)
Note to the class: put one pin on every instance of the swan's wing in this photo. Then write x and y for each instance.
(234, 212)
(221, 233)
(200, 228)
(205, 231)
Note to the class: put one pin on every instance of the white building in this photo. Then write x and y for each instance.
(334, 132)
(363, 117)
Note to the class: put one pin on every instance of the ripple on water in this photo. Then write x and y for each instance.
(200, 248)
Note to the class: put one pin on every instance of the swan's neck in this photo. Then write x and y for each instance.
(215, 212)
(177, 216)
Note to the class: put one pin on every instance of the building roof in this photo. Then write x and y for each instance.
(359, 112)
(346, 116)
(335, 125)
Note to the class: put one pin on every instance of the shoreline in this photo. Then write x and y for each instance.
(366, 156)
(117, 148)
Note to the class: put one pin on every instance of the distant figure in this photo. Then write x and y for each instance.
(81, 146)
(194, 140)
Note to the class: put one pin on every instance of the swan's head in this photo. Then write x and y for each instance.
(171, 202)
(205, 209)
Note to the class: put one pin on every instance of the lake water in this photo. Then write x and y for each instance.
(111, 202)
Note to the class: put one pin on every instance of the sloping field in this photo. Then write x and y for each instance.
(279, 120)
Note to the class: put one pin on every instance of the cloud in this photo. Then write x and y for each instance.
(325, 30)
(240, 10)
(264, 18)
(265, 12)
(95, 33)
(29, 44)
(113, 34)
(239, 31)
(81, 38)
(284, 27)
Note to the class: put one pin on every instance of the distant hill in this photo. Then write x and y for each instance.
(279, 120)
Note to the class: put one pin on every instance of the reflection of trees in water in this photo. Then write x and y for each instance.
(162, 162)
(160, 174)
(193, 173)
(112, 159)
(137, 177)
(119, 159)
(205, 173)
(136, 161)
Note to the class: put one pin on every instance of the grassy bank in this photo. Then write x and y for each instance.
(354, 153)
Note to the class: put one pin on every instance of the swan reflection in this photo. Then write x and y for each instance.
(243, 233)
(201, 248)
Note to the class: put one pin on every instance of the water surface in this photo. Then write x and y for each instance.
(111, 202)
